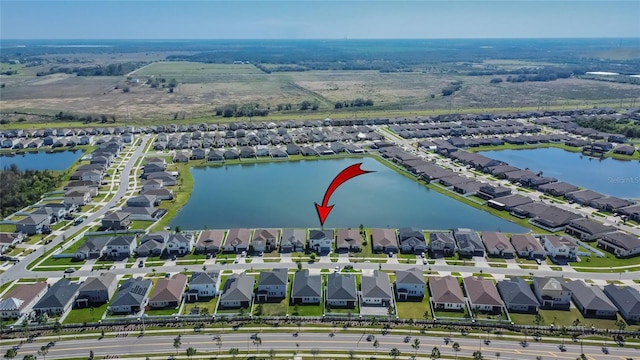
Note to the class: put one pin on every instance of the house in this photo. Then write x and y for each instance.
(482, 295)
(591, 300)
(341, 290)
(97, 290)
(609, 203)
(159, 194)
(237, 241)
(410, 284)
(631, 212)
(293, 240)
(143, 213)
(620, 244)
(143, 201)
(116, 220)
(441, 244)
(348, 240)
(8, 239)
(558, 188)
(469, 243)
(272, 285)
(518, 296)
(210, 242)
(168, 292)
(120, 247)
(32, 224)
(152, 184)
(19, 301)
(509, 202)
(587, 229)
(59, 298)
(446, 294)
(181, 157)
(306, 289)
(582, 197)
(376, 289)
(384, 240)
(131, 297)
(560, 247)
(179, 243)
(498, 245)
(92, 248)
(320, 241)
(627, 300)
(152, 244)
(554, 218)
(551, 293)
(238, 291)
(203, 285)
(265, 240)
(527, 246)
(167, 178)
(77, 196)
(411, 241)
(489, 192)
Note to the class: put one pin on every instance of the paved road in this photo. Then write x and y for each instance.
(286, 342)
(19, 270)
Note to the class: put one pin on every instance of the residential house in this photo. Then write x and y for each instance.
(412, 241)
(554, 218)
(551, 293)
(376, 289)
(497, 244)
(19, 301)
(168, 292)
(167, 178)
(410, 284)
(384, 240)
(441, 244)
(591, 300)
(116, 220)
(97, 290)
(489, 192)
(143, 201)
(272, 285)
(152, 184)
(265, 240)
(348, 240)
(609, 203)
(321, 241)
(306, 289)
(468, 242)
(179, 243)
(587, 229)
(582, 197)
(482, 295)
(120, 247)
(632, 212)
(446, 294)
(92, 248)
(203, 285)
(518, 296)
(509, 202)
(620, 244)
(341, 290)
(627, 300)
(32, 224)
(159, 194)
(132, 296)
(152, 244)
(237, 241)
(210, 242)
(558, 188)
(59, 298)
(8, 239)
(238, 291)
(77, 196)
(293, 240)
(527, 246)
(560, 248)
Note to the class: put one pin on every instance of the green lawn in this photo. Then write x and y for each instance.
(161, 312)
(50, 261)
(524, 319)
(79, 316)
(140, 224)
(450, 314)
(605, 262)
(271, 309)
(567, 318)
(414, 309)
(209, 305)
(8, 228)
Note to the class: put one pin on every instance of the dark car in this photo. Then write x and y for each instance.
(51, 344)
(370, 338)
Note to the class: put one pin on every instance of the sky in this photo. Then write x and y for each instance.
(302, 19)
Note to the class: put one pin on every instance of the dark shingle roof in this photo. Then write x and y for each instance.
(305, 285)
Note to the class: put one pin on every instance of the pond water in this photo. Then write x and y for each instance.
(41, 160)
(283, 194)
(607, 176)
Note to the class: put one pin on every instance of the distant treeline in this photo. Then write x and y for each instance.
(452, 88)
(627, 127)
(99, 70)
(235, 110)
(9, 72)
(21, 188)
(85, 119)
(353, 103)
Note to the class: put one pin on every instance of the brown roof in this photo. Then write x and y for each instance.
(238, 237)
(26, 292)
(445, 289)
(264, 234)
(210, 238)
(481, 291)
(169, 289)
(521, 242)
(348, 238)
(384, 237)
(496, 240)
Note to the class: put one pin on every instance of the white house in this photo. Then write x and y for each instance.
(121, 247)
(409, 284)
(321, 241)
(562, 247)
(203, 285)
(446, 293)
(551, 293)
(77, 196)
(180, 244)
(376, 289)
(272, 284)
(91, 175)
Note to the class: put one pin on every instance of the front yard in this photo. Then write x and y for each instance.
(413, 309)
(79, 316)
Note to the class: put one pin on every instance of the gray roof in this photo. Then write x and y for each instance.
(94, 243)
(341, 287)
(410, 276)
(209, 277)
(132, 292)
(116, 216)
(623, 240)
(100, 282)
(211, 238)
(320, 234)
(516, 291)
(162, 237)
(273, 277)
(238, 288)
(496, 240)
(293, 237)
(627, 299)
(511, 201)
(591, 297)
(125, 240)
(59, 294)
(555, 216)
(376, 286)
(468, 239)
(305, 285)
(346, 238)
(549, 283)
(33, 219)
(591, 226)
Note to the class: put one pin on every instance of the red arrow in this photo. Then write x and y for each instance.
(346, 174)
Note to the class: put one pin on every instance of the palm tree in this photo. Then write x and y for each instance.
(43, 352)
(57, 328)
(177, 342)
(10, 354)
(394, 353)
(272, 354)
(191, 351)
(257, 342)
(435, 353)
(234, 352)
(415, 346)
(219, 344)
(477, 355)
(315, 353)
(456, 349)
(376, 344)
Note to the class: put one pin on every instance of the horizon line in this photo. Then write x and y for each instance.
(322, 39)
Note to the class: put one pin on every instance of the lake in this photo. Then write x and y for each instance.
(282, 194)
(608, 176)
(41, 160)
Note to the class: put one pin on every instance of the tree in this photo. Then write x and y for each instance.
(456, 348)
(394, 353)
(10, 354)
(435, 353)
(234, 352)
(177, 342)
(390, 310)
(257, 342)
(219, 344)
(312, 257)
(498, 355)
(272, 353)
(299, 265)
(25, 326)
(539, 320)
(43, 352)
(29, 357)
(376, 345)
(477, 355)
(91, 355)
(191, 351)
(57, 328)
(621, 325)
(315, 353)
(415, 346)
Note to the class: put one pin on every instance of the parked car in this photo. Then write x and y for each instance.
(69, 270)
(140, 264)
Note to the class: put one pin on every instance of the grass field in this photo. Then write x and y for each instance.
(414, 310)
(90, 315)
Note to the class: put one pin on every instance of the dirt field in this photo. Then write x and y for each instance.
(203, 87)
